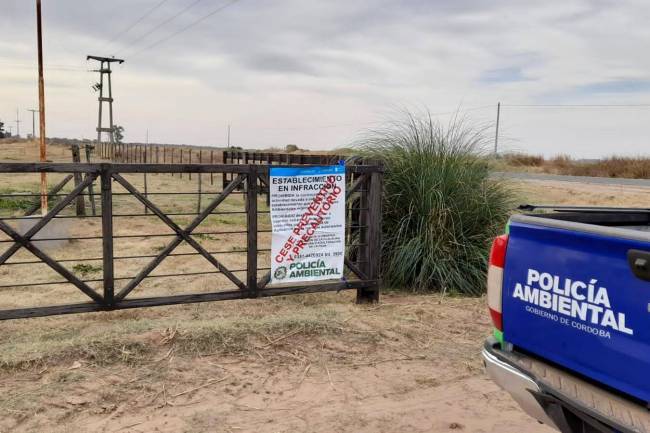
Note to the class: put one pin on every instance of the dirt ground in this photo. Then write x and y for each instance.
(304, 363)
(312, 363)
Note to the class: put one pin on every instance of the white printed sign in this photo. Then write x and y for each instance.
(308, 221)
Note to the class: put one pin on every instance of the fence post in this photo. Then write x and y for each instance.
(224, 177)
(91, 194)
(251, 225)
(107, 234)
(211, 162)
(371, 199)
(146, 192)
(76, 158)
(200, 187)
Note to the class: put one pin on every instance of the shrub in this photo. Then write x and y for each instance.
(562, 162)
(441, 209)
(524, 159)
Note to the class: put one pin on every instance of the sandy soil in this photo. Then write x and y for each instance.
(588, 194)
(409, 364)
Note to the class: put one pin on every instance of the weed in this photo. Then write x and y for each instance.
(86, 269)
(11, 203)
(523, 159)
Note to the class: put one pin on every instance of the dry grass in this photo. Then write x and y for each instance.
(523, 160)
(613, 166)
(138, 337)
(257, 362)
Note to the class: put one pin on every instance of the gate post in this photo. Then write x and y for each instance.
(251, 226)
(107, 234)
(371, 199)
(76, 158)
(224, 176)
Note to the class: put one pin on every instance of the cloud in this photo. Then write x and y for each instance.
(277, 63)
(615, 86)
(503, 75)
(298, 64)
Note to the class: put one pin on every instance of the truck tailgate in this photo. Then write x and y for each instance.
(570, 296)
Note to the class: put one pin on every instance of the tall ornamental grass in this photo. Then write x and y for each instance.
(441, 209)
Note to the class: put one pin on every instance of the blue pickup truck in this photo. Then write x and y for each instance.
(569, 298)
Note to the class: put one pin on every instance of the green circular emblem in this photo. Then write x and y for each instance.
(280, 273)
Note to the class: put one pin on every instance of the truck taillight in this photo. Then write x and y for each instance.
(495, 279)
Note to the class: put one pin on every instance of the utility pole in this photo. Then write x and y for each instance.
(496, 135)
(105, 69)
(41, 108)
(146, 149)
(33, 122)
(17, 124)
(229, 135)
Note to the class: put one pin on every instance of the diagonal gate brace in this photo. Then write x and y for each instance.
(181, 235)
(25, 241)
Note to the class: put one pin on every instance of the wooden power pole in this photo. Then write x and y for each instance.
(41, 108)
(496, 134)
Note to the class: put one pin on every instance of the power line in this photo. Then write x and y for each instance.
(168, 20)
(360, 124)
(49, 67)
(187, 27)
(132, 25)
(462, 110)
(577, 105)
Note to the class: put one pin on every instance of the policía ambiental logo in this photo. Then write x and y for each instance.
(280, 273)
(583, 305)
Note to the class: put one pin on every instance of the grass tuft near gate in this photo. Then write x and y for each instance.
(440, 207)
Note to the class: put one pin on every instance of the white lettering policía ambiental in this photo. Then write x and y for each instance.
(585, 301)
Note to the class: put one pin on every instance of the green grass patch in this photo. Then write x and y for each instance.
(86, 269)
(13, 204)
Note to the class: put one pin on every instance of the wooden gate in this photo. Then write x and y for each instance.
(114, 292)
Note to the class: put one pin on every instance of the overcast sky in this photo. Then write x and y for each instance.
(317, 73)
